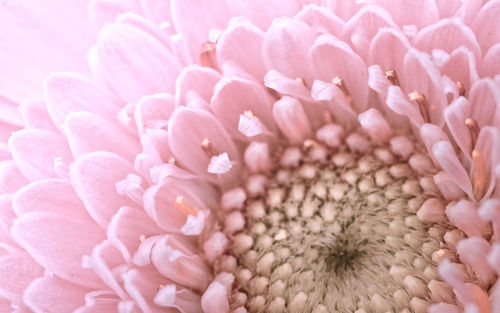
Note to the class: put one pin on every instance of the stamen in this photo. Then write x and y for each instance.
(461, 88)
(327, 117)
(422, 103)
(207, 147)
(207, 55)
(392, 77)
(479, 176)
(248, 113)
(340, 83)
(142, 237)
(474, 130)
(160, 287)
(183, 207)
(172, 161)
(301, 80)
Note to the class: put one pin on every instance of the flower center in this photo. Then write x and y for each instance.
(334, 230)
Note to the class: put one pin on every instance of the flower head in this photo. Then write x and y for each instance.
(335, 156)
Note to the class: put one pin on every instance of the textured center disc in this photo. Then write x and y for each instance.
(336, 233)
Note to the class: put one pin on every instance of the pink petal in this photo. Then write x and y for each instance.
(455, 115)
(491, 66)
(215, 299)
(35, 115)
(461, 67)
(153, 111)
(67, 92)
(106, 11)
(257, 157)
(448, 8)
(474, 251)
(262, 12)
(197, 79)
(389, 58)
(397, 101)
(484, 98)
(250, 126)
(58, 243)
(336, 101)
(185, 141)
(251, 97)
(134, 62)
(50, 195)
(142, 285)
(100, 301)
(410, 12)
(11, 178)
(464, 216)
(94, 176)
(321, 19)
(375, 125)
(82, 129)
(126, 227)
(332, 57)
(240, 44)
(215, 246)
(445, 155)
(157, 10)
(286, 85)
(448, 187)
(17, 270)
(291, 119)
(363, 26)
(160, 203)
(193, 19)
(421, 75)
(344, 9)
(443, 308)
(285, 48)
(486, 24)
(487, 144)
(176, 262)
(45, 295)
(45, 145)
(447, 35)
(37, 33)
(431, 134)
(107, 262)
(185, 300)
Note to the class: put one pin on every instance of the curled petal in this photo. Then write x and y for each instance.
(291, 119)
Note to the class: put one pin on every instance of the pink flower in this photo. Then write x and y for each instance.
(211, 156)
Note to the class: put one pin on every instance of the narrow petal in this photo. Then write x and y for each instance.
(486, 23)
(285, 48)
(51, 240)
(50, 195)
(183, 299)
(11, 178)
(410, 12)
(240, 44)
(485, 99)
(126, 228)
(374, 123)
(45, 145)
(321, 19)
(82, 129)
(397, 101)
(17, 270)
(215, 299)
(35, 115)
(134, 62)
(106, 11)
(455, 115)
(334, 58)
(491, 66)
(474, 251)
(445, 155)
(389, 58)
(423, 76)
(177, 263)
(67, 92)
(94, 176)
(291, 119)
(185, 141)
(465, 217)
(250, 97)
(142, 285)
(197, 79)
(193, 19)
(160, 203)
(262, 12)
(461, 67)
(45, 294)
(286, 85)
(153, 112)
(447, 35)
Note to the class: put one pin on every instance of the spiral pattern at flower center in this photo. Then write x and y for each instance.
(336, 231)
